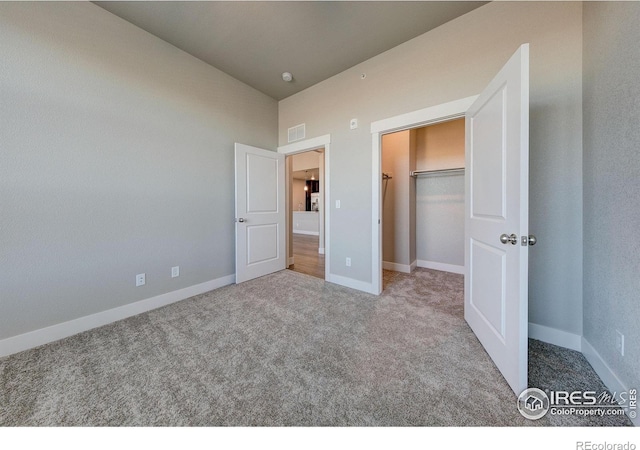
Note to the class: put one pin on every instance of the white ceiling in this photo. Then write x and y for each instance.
(256, 41)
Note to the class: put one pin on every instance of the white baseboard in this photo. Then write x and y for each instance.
(555, 336)
(404, 268)
(321, 250)
(59, 331)
(441, 266)
(310, 233)
(606, 374)
(351, 283)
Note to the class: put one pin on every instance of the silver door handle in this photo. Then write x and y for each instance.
(241, 220)
(532, 240)
(505, 239)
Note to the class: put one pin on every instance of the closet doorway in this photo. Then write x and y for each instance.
(422, 199)
(306, 212)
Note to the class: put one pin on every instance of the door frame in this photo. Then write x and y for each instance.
(415, 119)
(306, 145)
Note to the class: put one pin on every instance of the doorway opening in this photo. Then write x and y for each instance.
(409, 123)
(305, 173)
(321, 145)
(423, 199)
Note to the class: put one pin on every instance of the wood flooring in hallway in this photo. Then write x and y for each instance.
(306, 257)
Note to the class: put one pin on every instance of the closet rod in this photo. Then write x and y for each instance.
(415, 173)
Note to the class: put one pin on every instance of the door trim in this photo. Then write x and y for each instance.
(414, 119)
(305, 146)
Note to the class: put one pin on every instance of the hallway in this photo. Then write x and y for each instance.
(306, 258)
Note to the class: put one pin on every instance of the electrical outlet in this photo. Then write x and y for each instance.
(353, 124)
(337, 204)
(175, 271)
(348, 262)
(620, 342)
(140, 279)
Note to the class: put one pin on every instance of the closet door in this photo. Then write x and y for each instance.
(496, 218)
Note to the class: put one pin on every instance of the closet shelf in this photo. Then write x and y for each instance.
(419, 173)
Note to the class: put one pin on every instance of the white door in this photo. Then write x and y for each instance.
(497, 216)
(260, 212)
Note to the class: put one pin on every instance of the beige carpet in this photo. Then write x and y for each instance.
(287, 349)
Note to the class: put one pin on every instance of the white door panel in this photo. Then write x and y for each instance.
(262, 243)
(489, 265)
(488, 130)
(496, 278)
(260, 212)
(262, 196)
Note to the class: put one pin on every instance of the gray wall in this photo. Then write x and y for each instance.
(440, 198)
(612, 183)
(398, 204)
(116, 158)
(454, 61)
(440, 219)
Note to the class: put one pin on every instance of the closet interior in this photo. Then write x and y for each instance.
(423, 198)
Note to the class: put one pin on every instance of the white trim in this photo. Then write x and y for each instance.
(351, 283)
(606, 374)
(443, 267)
(404, 268)
(414, 119)
(59, 331)
(309, 233)
(306, 145)
(327, 208)
(432, 114)
(376, 214)
(321, 250)
(555, 336)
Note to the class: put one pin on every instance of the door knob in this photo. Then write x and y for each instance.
(241, 220)
(512, 238)
(532, 239)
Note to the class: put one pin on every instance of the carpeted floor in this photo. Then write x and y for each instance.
(285, 350)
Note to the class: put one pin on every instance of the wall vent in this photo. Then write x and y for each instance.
(296, 133)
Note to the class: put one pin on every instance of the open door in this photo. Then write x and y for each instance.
(260, 212)
(497, 218)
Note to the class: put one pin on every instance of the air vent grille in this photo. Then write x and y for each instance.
(296, 133)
